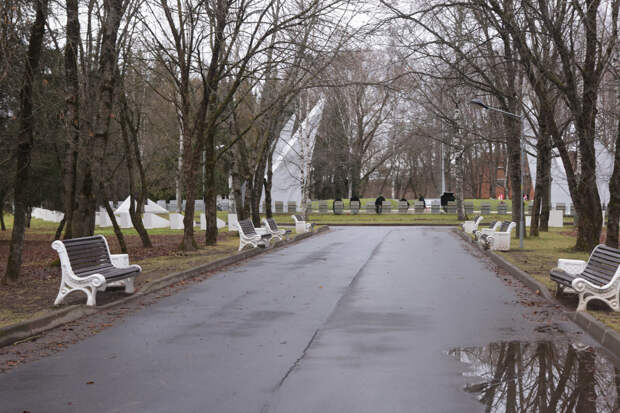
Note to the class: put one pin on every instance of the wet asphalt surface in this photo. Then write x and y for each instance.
(359, 319)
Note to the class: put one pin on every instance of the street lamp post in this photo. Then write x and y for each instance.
(483, 105)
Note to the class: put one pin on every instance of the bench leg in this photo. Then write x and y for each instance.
(583, 303)
(608, 294)
(62, 293)
(91, 295)
(129, 285)
(559, 290)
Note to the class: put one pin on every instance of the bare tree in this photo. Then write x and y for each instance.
(25, 141)
(574, 29)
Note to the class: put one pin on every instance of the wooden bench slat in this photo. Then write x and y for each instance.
(85, 253)
(247, 227)
(92, 257)
(88, 253)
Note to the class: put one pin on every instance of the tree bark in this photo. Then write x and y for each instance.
(25, 142)
(59, 229)
(210, 193)
(460, 172)
(513, 129)
(540, 211)
(268, 185)
(117, 230)
(91, 156)
(137, 199)
(614, 192)
(72, 113)
(2, 225)
(546, 192)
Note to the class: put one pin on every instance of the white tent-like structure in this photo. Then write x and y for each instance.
(559, 182)
(292, 157)
(150, 220)
(150, 206)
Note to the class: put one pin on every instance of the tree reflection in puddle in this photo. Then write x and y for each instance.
(541, 377)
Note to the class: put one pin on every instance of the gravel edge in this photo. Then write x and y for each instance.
(20, 331)
(606, 336)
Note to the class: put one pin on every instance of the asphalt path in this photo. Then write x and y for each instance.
(359, 319)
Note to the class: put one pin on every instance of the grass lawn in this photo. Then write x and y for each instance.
(541, 254)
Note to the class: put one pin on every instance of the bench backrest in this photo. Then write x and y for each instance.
(272, 224)
(247, 227)
(87, 253)
(602, 265)
(504, 227)
(299, 218)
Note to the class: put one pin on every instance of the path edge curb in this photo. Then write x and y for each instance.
(606, 337)
(21, 331)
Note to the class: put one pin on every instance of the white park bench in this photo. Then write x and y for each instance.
(597, 279)
(248, 235)
(500, 239)
(470, 227)
(301, 225)
(88, 266)
(485, 232)
(272, 228)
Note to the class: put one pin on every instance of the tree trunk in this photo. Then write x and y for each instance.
(72, 113)
(91, 156)
(460, 172)
(59, 229)
(2, 225)
(236, 189)
(546, 191)
(86, 201)
(356, 171)
(257, 187)
(191, 159)
(540, 211)
(129, 132)
(589, 203)
(614, 192)
(513, 129)
(117, 230)
(210, 193)
(268, 185)
(24, 144)
(460, 205)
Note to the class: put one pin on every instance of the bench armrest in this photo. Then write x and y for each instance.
(572, 267)
(262, 231)
(120, 260)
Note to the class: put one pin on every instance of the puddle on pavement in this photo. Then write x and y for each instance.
(541, 377)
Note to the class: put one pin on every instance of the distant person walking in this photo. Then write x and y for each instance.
(379, 204)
